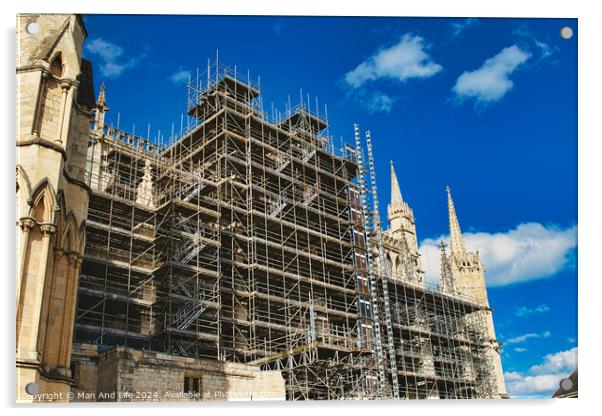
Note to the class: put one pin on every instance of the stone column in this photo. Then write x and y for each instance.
(65, 116)
(47, 335)
(26, 225)
(28, 350)
(72, 276)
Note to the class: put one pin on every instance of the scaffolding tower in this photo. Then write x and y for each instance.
(234, 242)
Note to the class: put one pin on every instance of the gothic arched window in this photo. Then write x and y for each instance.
(56, 66)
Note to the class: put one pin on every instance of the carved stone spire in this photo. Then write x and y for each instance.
(446, 284)
(101, 102)
(455, 235)
(402, 228)
(397, 208)
(101, 109)
(396, 199)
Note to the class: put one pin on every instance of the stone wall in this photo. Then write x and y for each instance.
(126, 375)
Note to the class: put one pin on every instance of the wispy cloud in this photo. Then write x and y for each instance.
(491, 81)
(381, 102)
(543, 379)
(545, 49)
(528, 252)
(458, 27)
(521, 338)
(112, 60)
(524, 311)
(542, 50)
(519, 349)
(375, 101)
(403, 61)
(525, 337)
(181, 75)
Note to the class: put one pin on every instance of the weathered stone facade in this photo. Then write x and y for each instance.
(128, 375)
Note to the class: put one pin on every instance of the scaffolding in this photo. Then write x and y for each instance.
(243, 248)
(248, 239)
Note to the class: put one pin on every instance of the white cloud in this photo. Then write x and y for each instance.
(377, 101)
(559, 362)
(542, 50)
(179, 76)
(461, 26)
(106, 50)
(545, 50)
(405, 60)
(519, 349)
(521, 338)
(512, 376)
(523, 310)
(528, 252)
(430, 259)
(533, 386)
(524, 337)
(543, 379)
(492, 80)
(112, 62)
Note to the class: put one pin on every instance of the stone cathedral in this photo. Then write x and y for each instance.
(240, 258)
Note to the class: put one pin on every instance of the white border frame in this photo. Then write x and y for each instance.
(590, 207)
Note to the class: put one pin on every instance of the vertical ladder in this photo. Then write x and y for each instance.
(383, 271)
(371, 274)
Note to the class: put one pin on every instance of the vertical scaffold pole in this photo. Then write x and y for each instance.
(382, 269)
(382, 380)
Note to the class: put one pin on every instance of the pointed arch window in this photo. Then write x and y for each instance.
(56, 66)
(40, 209)
(44, 201)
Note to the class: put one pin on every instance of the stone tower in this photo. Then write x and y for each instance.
(463, 274)
(55, 101)
(466, 268)
(401, 243)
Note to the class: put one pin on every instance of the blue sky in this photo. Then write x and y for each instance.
(487, 106)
